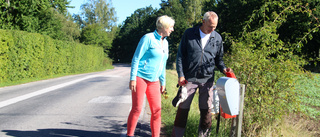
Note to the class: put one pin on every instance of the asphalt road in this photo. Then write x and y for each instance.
(85, 105)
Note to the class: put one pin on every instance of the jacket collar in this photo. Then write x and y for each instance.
(197, 31)
(157, 35)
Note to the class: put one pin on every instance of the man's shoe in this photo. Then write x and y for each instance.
(204, 132)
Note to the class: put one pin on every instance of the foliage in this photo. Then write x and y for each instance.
(60, 5)
(94, 34)
(97, 21)
(268, 67)
(31, 55)
(269, 81)
(38, 16)
(301, 24)
(97, 12)
(142, 21)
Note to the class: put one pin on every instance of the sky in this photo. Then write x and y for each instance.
(123, 8)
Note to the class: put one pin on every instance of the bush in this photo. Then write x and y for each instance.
(268, 70)
(30, 55)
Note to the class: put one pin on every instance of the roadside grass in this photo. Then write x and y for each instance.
(27, 80)
(290, 126)
(304, 123)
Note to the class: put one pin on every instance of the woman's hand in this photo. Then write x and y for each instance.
(163, 89)
(132, 85)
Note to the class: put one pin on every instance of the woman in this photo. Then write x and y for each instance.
(148, 67)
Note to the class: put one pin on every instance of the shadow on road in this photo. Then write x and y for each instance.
(143, 130)
(59, 133)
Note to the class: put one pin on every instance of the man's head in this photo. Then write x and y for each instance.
(209, 22)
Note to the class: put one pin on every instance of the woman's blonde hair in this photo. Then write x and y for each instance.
(164, 22)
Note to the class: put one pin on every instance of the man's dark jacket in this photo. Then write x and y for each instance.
(197, 64)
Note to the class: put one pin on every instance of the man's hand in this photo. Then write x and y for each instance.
(132, 85)
(227, 70)
(182, 81)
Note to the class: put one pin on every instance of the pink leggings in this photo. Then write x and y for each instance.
(152, 90)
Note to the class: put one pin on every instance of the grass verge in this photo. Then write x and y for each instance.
(27, 80)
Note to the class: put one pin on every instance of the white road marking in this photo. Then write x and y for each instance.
(42, 91)
(102, 99)
(111, 99)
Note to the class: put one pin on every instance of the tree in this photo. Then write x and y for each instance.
(193, 9)
(139, 23)
(97, 22)
(301, 26)
(97, 12)
(94, 34)
(38, 16)
(60, 5)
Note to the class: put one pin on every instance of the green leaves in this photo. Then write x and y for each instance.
(97, 12)
(139, 23)
(30, 55)
(39, 16)
(268, 68)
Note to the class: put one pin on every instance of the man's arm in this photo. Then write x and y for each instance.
(180, 56)
(179, 62)
(219, 58)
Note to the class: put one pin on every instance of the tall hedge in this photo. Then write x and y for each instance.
(26, 55)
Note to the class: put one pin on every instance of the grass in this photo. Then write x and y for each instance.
(304, 123)
(27, 80)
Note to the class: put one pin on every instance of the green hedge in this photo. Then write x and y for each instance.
(26, 55)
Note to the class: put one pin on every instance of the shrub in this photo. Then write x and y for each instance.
(30, 55)
(268, 70)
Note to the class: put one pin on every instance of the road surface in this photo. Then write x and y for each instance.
(85, 105)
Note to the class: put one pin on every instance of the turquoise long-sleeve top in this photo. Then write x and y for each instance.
(150, 58)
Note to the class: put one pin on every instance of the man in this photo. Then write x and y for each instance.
(200, 50)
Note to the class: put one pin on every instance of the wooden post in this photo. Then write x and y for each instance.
(240, 116)
(233, 127)
(236, 123)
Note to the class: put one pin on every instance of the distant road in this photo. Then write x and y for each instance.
(85, 105)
